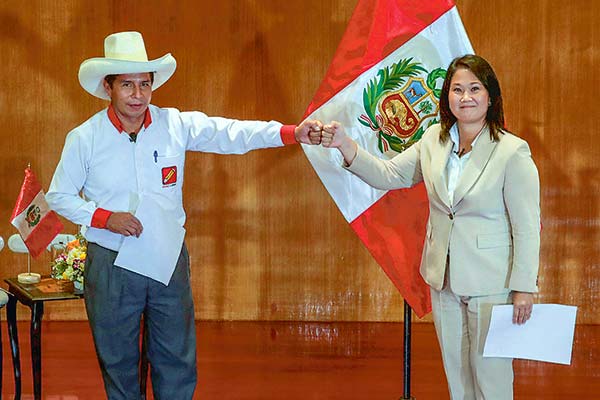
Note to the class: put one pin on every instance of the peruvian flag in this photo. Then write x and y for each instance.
(37, 224)
(384, 86)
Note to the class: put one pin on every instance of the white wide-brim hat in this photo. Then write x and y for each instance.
(124, 53)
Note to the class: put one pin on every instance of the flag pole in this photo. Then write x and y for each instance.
(29, 277)
(407, 341)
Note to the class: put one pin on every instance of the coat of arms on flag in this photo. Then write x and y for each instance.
(401, 102)
(384, 86)
(32, 217)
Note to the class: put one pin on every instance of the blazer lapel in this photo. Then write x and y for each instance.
(480, 156)
(439, 157)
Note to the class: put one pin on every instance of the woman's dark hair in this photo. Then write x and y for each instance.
(484, 72)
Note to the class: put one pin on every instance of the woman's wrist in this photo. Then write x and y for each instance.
(348, 148)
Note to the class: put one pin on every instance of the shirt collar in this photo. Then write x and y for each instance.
(114, 119)
(455, 139)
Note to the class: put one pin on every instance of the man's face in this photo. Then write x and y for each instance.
(130, 95)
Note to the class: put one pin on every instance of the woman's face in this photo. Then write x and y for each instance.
(468, 98)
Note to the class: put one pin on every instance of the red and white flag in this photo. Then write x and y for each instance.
(37, 224)
(384, 86)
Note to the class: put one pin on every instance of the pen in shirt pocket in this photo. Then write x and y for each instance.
(155, 156)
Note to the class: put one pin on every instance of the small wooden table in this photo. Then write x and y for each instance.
(33, 296)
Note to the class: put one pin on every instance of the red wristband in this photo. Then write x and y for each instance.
(100, 218)
(288, 134)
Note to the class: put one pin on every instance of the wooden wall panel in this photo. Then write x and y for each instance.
(266, 242)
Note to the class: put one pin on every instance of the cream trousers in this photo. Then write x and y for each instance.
(461, 324)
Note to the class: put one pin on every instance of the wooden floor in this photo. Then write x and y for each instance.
(299, 361)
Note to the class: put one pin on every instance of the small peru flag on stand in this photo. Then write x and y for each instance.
(384, 87)
(37, 224)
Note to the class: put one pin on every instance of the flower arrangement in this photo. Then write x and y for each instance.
(69, 265)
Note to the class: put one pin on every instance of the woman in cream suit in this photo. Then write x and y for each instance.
(483, 233)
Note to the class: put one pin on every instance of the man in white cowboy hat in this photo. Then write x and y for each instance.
(126, 152)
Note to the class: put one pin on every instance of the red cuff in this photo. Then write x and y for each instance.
(100, 218)
(288, 134)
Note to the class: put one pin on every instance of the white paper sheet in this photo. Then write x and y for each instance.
(547, 336)
(154, 254)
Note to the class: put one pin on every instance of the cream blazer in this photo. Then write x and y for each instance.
(491, 232)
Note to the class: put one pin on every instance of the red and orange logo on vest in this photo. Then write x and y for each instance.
(169, 176)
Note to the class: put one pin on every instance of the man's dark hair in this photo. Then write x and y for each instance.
(111, 78)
